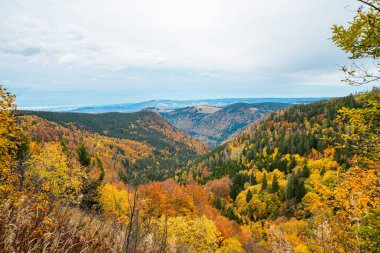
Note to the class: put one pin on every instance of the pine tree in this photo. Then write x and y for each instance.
(305, 171)
(292, 164)
(275, 185)
(264, 182)
(249, 196)
(300, 190)
(289, 193)
(218, 203)
(83, 155)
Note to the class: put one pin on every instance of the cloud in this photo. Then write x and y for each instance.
(79, 44)
(242, 35)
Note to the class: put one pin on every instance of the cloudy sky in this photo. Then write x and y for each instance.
(86, 52)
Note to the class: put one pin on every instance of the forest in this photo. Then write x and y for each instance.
(305, 178)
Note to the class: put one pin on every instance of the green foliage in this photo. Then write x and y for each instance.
(305, 171)
(83, 155)
(295, 187)
(275, 186)
(264, 182)
(218, 203)
(361, 138)
(369, 230)
(249, 196)
(361, 40)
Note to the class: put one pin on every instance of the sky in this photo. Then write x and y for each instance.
(92, 52)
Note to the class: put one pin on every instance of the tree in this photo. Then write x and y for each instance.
(275, 186)
(361, 40)
(230, 245)
(203, 237)
(362, 140)
(370, 231)
(9, 139)
(83, 155)
(264, 182)
(305, 171)
(289, 193)
(49, 176)
(249, 196)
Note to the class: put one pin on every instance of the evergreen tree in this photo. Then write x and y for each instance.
(300, 190)
(289, 192)
(264, 182)
(218, 203)
(292, 164)
(275, 185)
(249, 196)
(305, 172)
(83, 155)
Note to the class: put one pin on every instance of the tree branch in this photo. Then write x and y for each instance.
(369, 4)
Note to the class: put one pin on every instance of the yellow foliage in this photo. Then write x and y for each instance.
(230, 245)
(49, 175)
(114, 201)
(9, 134)
(194, 234)
(301, 248)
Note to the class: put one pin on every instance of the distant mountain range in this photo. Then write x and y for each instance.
(214, 125)
(168, 104)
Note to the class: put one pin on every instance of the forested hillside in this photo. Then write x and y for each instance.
(303, 179)
(139, 146)
(215, 125)
(300, 171)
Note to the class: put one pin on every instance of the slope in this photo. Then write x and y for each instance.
(142, 145)
(215, 125)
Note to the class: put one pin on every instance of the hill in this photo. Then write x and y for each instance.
(300, 170)
(295, 131)
(215, 125)
(138, 145)
(167, 104)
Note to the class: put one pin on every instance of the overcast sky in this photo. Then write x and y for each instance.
(83, 52)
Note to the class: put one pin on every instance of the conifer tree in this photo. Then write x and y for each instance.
(83, 155)
(218, 203)
(275, 186)
(289, 193)
(264, 182)
(305, 171)
(249, 196)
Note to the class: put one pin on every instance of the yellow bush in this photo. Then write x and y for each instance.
(230, 245)
(301, 248)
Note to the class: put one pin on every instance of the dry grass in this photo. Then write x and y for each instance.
(27, 227)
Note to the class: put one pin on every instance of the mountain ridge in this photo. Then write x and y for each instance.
(156, 148)
(215, 125)
(166, 104)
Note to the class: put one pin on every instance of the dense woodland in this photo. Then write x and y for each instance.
(288, 169)
(319, 192)
(302, 179)
(139, 146)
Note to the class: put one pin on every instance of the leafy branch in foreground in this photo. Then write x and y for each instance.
(361, 41)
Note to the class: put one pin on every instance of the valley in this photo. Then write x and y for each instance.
(190, 126)
(215, 125)
(141, 145)
(276, 172)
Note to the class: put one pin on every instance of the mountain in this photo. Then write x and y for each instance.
(295, 131)
(167, 104)
(283, 142)
(139, 145)
(215, 125)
